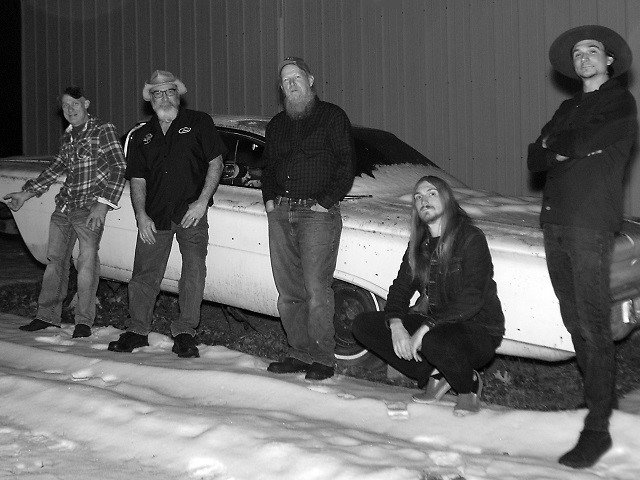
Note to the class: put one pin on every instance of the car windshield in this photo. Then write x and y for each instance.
(377, 147)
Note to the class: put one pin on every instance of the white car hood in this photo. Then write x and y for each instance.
(384, 204)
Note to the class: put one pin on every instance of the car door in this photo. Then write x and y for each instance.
(238, 264)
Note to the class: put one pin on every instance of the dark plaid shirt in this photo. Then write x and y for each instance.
(93, 162)
(309, 158)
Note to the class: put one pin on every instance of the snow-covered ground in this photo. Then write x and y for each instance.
(70, 409)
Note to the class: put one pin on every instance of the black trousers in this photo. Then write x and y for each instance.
(455, 349)
(579, 261)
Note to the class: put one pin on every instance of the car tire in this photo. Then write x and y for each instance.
(350, 301)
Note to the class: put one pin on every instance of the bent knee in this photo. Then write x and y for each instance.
(368, 323)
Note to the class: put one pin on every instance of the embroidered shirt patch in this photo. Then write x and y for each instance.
(184, 130)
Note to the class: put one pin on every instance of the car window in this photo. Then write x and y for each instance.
(377, 147)
(243, 162)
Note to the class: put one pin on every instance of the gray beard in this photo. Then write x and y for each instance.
(167, 114)
(300, 108)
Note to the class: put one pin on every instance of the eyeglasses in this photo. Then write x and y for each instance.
(170, 92)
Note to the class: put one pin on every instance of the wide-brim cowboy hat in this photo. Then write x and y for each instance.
(160, 78)
(560, 52)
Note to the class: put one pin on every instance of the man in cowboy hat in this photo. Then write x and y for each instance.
(309, 163)
(91, 158)
(584, 150)
(174, 163)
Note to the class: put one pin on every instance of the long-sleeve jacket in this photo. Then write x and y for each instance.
(94, 164)
(312, 157)
(467, 292)
(596, 130)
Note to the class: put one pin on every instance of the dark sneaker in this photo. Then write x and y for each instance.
(288, 365)
(469, 403)
(591, 445)
(128, 341)
(37, 324)
(184, 345)
(81, 330)
(318, 371)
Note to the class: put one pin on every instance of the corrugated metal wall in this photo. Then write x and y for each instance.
(468, 83)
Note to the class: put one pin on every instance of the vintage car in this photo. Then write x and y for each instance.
(374, 238)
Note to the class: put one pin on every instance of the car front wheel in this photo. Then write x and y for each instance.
(350, 301)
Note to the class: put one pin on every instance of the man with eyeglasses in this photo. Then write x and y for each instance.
(309, 164)
(91, 157)
(174, 163)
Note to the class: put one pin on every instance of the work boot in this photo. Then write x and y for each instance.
(128, 341)
(289, 365)
(81, 330)
(37, 324)
(469, 403)
(184, 345)
(591, 445)
(433, 391)
(318, 371)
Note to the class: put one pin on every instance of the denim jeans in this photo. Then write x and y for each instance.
(149, 266)
(579, 261)
(455, 349)
(64, 229)
(303, 245)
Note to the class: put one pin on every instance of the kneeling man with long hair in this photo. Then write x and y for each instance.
(457, 322)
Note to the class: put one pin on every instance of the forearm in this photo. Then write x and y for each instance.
(344, 152)
(47, 177)
(400, 292)
(138, 189)
(613, 119)
(214, 172)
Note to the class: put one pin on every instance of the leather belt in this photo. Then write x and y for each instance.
(302, 202)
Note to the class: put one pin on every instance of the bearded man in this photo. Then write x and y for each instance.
(457, 323)
(174, 163)
(309, 168)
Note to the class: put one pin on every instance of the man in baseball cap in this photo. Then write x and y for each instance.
(309, 160)
(584, 149)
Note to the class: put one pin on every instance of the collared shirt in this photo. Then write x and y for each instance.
(596, 131)
(312, 157)
(174, 165)
(94, 164)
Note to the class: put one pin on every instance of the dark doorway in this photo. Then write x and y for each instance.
(10, 59)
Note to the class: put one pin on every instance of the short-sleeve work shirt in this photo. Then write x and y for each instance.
(174, 165)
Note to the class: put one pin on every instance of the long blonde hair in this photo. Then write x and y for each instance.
(453, 218)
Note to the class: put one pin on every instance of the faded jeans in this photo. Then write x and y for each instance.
(579, 261)
(303, 245)
(64, 229)
(149, 266)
